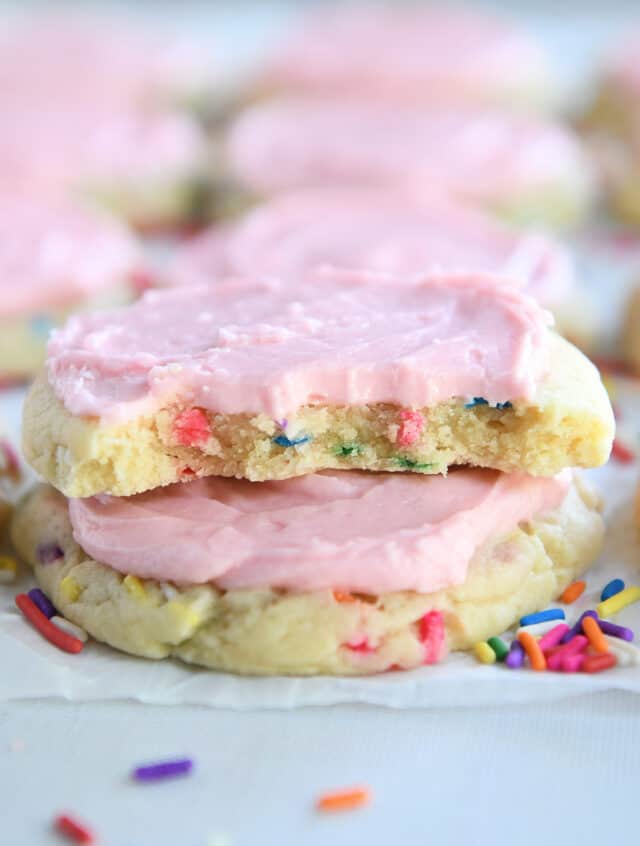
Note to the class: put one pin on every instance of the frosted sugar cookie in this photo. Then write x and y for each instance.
(342, 573)
(55, 258)
(414, 55)
(386, 232)
(263, 380)
(613, 126)
(520, 167)
(147, 167)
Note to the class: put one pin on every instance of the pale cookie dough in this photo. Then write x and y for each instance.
(275, 632)
(239, 380)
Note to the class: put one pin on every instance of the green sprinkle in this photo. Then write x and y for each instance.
(348, 449)
(410, 464)
(499, 647)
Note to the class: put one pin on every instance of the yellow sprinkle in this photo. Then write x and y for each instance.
(616, 603)
(8, 568)
(484, 653)
(610, 386)
(135, 587)
(70, 589)
(187, 616)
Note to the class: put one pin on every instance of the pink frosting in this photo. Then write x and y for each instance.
(58, 255)
(408, 54)
(266, 346)
(381, 231)
(370, 532)
(623, 64)
(46, 152)
(89, 59)
(488, 157)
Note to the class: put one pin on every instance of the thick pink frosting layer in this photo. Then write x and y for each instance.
(267, 346)
(45, 153)
(410, 54)
(60, 254)
(369, 532)
(386, 232)
(483, 156)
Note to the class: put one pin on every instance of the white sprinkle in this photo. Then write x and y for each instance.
(538, 629)
(626, 653)
(70, 628)
(169, 591)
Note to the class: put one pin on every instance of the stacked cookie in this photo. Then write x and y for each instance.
(269, 477)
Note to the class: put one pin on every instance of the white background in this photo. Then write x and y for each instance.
(553, 771)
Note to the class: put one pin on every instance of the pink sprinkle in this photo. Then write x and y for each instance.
(553, 637)
(575, 645)
(361, 646)
(191, 427)
(431, 634)
(141, 280)
(572, 663)
(11, 459)
(411, 426)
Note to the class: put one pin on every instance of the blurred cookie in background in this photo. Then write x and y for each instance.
(412, 55)
(79, 58)
(55, 258)
(148, 167)
(525, 169)
(612, 125)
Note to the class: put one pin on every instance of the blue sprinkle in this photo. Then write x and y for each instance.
(284, 441)
(614, 586)
(501, 406)
(542, 616)
(41, 324)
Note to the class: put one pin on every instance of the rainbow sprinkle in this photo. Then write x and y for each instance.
(590, 645)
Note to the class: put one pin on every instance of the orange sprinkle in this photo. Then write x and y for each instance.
(339, 596)
(344, 800)
(593, 631)
(572, 593)
(534, 653)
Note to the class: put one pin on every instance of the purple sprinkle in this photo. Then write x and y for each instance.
(577, 628)
(43, 602)
(166, 769)
(615, 631)
(284, 423)
(47, 553)
(515, 658)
